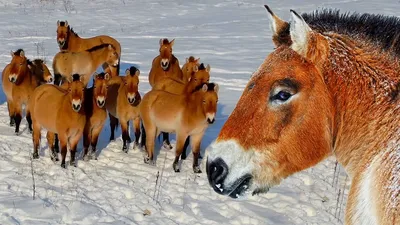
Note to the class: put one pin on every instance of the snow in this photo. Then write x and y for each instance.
(234, 38)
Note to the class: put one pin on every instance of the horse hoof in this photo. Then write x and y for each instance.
(12, 124)
(86, 158)
(63, 166)
(175, 166)
(200, 157)
(196, 169)
(72, 163)
(17, 133)
(35, 155)
(177, 170)
(125, 149)
(167, 146)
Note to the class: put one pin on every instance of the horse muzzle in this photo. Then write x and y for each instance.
(164, 64)
(101, 101)
(210, 118)
(131, 98)
(76, 105)
(13, 78)
(61, 42)
(50, 80)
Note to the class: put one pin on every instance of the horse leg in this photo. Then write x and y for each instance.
(151, 133)
(18, 117)
(95, 136)
(196, 141)
(136, 125)
(113, 126)
(126, 139)
(50, 143)
(56, 145)
(11, 112)
(143, 139)
(73, 143)
(87, 134)
(184, 153)
(166, 143)
(180, 142)
(36, 140)
(63, 143)
(29, 119)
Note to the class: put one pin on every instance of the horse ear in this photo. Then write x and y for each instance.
(81, 78)
(66, 23)
(137, 73)
(161, 42)
(204, 88)
(110, 47)
(12, 53)
(107, 76)
(172, 42)
(187, 60)
(208, 68)
(216, 88)
(279, 28)
(197, 60)
(195, 68)
(95, 75)
(58, 23)
(127, 72)
(22, 53)
(306, 42)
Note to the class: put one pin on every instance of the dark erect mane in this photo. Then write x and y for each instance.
(98, 47)
(210, 87)
(72, 31)
(18, 52)
(378, 29)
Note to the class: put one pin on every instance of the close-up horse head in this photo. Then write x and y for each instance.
(209, 100)
(131, 81)
(283, 121)
(76, 89)
(100, 87)
(166, 52)
(62, 33)
(40, 70)
(18, 65)
(112, 56)
(200, 75)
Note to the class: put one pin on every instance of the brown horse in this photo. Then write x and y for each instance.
(165, 64)
(332, 86)
(68, 40)
(122, 104)
(20, 78)
(85, 62)
(190, 115)
(199, 75)
(188, 67)
(96, 113)
(58, 111)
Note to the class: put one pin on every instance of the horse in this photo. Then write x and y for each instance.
(199, 75)
(187, 68)
(58, 111)
(165, 65)
(19, 78)
(123, 99)
(84, 63)
(190, 115)
(95, 111)
(68, 40)
(331, 86)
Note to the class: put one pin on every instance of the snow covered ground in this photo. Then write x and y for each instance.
(233, 37)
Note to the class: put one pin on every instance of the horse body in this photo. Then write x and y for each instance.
(95, 111)
(190, 115)
(20, 78)
(68, 40)
(85, 62)
(122, 103)
(58, 111)
(331, 86)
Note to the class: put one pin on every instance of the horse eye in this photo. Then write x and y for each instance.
(21, 64)
(282, 96)
(204, 101)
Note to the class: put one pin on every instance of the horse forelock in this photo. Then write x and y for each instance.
(202, 67)
(18, 52)
(165, 41)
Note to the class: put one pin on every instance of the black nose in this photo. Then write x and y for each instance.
(76, 107)
(101, 103)
(50, 80)
(131, 100)
(210, 121)
(12, 80)
(217, 171)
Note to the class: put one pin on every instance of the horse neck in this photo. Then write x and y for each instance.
(194, 105)
(98, 56)
(74, 41)
(25, 77)
(362, 86)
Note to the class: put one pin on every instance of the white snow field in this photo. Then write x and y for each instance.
(232, 36)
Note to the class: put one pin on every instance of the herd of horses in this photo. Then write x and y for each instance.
(181, 100)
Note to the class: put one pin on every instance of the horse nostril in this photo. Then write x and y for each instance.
(217, 171)
(210, 121)
(50, 80)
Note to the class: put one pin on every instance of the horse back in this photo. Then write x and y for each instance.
(98, 40)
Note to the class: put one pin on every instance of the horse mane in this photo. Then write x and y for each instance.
(378, 29)
(18, 52)
(165, 41)
(132, 70)
(72, 31)
(98, 47)
(101, 75)
(191, 59)
(202, 67)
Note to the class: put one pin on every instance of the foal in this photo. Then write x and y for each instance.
(84, 63)
(58, 111)
(122, 103)
(20, 78)
(190, 115)
(96, 113)
(187, 68)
